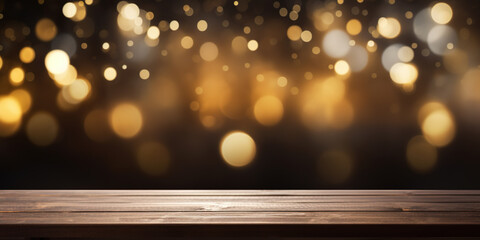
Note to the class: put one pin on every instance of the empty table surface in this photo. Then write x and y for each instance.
(239, 213)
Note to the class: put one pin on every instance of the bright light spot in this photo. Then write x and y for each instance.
(27, 55)
(282, 81)
(371, 46)
(441, 13)
(105, 46)
(209, 51)
(294, 32)
(153, 158)
(237, 148)
(306, 36)
(69, 10)
(42, 129)
(130, 11)
(10, 109)
(174, 25)
(268, 110)
(66, 78)
(23, 98)
(17, 75)
(110, 73)
(438, 125)
(202, 25)
(354, 27)
(153, 32)
(336, 43)
(341, 67)
(252, 45)
(76, 92)
(405, 54)
(421, 156)
(404, 73)
(187, 42)
(144, 74)
(57, 61)
(389, 27)
(126, 120)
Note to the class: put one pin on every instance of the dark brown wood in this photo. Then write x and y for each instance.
(239, 213)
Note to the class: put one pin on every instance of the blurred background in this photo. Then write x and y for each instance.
(242, 94)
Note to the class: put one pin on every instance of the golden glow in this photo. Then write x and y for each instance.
(17, 75)
(209, 51)
(421, 156)
(130, 11)
(187, 42)
(27, 55)
(354, 27)
(42, 129)
(294, 32)
(153, 32)
(389, 27)
(23, 98)
(144, 74)
(252, 45)
(69, 10)
(45, 29)
(237, 148)
(341, 67)
(306, 36)
(239, 44)
(76, 92)
(437, 123)
(441, 13)
(403, 73)
(1, 62)
(405, 54)
(202, 25)
(80, 13)
(110, 73)
(10, 109)
(126, 120)
(174, 25)
(66, 78)
(153, 158)
(324, 106)
(57, 61)
(336, 43)
(371, 46)
(96, 125)
(282, 81)
(268, 110)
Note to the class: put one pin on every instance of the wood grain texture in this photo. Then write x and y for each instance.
(239, 213)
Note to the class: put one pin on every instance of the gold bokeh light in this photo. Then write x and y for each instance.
(237, 148)
(126, 120)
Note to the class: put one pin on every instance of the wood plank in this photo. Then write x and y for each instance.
(235, 206)
(259, 213)
(243, 192)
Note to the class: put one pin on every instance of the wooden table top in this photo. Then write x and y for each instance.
(239, 213)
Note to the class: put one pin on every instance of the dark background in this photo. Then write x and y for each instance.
(287, 153)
